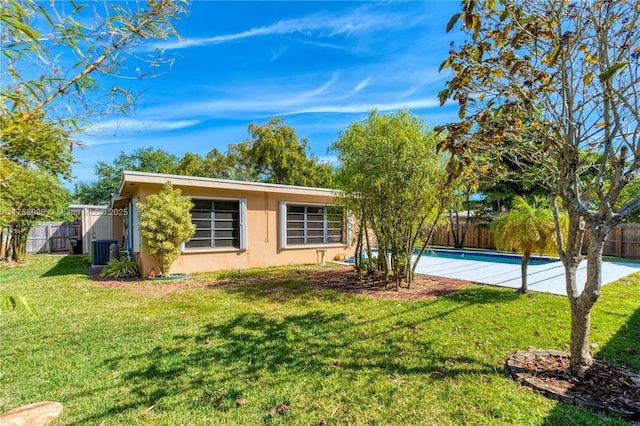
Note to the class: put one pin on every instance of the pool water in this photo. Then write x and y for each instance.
(513, 259)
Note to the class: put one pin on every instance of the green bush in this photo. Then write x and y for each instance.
(118, 268)
(165, 223)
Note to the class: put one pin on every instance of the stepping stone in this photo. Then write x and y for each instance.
(36, 414)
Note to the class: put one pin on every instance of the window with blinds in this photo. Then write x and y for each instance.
(314, 225)
(217, 224)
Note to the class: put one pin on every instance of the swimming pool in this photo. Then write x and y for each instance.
(513, 259)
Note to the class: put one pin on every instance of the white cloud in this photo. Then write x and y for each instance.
(322, 89)
(359, 21)
(364, 107)
(364, 83)
(128, 125)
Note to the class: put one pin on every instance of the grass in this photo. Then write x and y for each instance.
(116, 356)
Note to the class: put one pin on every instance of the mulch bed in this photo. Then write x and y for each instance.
(604, 387)
(423, 286)
(342, 279)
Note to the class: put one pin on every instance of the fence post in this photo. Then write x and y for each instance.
(47, 243)
(620, 241)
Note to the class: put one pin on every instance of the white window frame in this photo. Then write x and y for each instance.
(283, 226)
(134, 226)
(243, 228)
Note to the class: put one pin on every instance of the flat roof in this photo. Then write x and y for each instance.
(130, 178)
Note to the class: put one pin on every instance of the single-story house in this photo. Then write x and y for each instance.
(239, 225)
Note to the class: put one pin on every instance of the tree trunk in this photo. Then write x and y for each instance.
(19, 235)
(370, 268)
(581, 306)
(579, 344)
(357, 257)
(523, 271)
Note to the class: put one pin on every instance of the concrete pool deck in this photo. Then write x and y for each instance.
(548, 278)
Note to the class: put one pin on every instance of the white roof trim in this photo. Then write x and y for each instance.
(202, 182)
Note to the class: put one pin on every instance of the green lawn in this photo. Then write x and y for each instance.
(117, 356)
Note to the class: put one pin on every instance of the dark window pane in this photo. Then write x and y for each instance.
(225, 225)
(295, 225)
(295, 209)
(202, 233)
(227, 243)
(226, 205)
(295, 217)
(200, 215)
(230, 233)
(201, 204)
(296, 233)
(198, 243)
(227, 215)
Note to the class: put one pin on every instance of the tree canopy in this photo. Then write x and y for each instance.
(393, 177)
(108, 176)
(551, 84)
(277, 154)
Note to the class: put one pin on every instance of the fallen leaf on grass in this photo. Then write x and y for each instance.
(241, 402)
(149, 409)
(282, 409)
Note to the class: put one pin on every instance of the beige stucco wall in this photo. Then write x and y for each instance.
(262, 231)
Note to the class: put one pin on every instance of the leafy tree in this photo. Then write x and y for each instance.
(39, 144)
(191, 165)
(391, 174)
(165, 223)
(553, 83)
(27, 196)
(280, 157)
(50, 59)
(218, 165)
(51, 56)
(109, 175)
(630, 191)
(527, 228)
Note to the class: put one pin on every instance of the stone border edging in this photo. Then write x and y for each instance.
(515, 367)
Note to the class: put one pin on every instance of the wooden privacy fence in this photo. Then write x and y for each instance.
(623, 241)
(47, 237)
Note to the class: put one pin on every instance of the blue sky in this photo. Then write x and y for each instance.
(319, 65)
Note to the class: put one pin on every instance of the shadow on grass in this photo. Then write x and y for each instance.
(68, 265)
(622, 350)
(299, 290)
(226, 360)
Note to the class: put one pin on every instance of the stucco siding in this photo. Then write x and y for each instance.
(262, 228)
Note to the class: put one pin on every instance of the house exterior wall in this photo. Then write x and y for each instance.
(263, 225)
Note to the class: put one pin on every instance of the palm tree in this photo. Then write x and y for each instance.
(526, 228)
